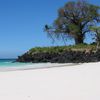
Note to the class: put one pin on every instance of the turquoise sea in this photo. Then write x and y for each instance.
(11, 63)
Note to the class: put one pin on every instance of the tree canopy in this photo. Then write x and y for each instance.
(74, 20)
(97, 35)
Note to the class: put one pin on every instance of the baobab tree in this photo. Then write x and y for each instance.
(74, 20)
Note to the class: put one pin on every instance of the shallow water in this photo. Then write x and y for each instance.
(6, 63)
(12, 63)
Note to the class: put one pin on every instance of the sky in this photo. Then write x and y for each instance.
(22, 23)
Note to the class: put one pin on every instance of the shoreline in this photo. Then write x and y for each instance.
(41, 66)
(30, 67)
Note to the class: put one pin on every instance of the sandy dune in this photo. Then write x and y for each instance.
(81, 82)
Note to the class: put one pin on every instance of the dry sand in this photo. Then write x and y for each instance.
(80, 82)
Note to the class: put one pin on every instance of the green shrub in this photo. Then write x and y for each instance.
(59, 49)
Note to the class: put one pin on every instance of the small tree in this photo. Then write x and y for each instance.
(97, 35)
(74, 20)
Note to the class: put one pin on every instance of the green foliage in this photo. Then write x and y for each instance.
(74, 20)
(97, 31)
(59, 49)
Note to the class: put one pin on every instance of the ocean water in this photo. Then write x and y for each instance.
(12, 63)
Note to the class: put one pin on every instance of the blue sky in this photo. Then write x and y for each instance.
(22, 22)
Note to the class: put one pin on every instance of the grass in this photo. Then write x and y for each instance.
(80, 47)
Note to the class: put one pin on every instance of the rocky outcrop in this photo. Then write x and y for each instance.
(61, 57)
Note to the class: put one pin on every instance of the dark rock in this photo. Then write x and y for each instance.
(61, 57)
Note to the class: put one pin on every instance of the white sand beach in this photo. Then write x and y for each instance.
(79, 82)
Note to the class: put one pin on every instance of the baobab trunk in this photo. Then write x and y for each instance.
(98, 43)
(79, 39)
